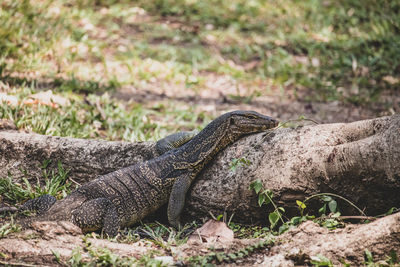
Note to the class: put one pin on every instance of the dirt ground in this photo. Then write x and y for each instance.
(220, 95)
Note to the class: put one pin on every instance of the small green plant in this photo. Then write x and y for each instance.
(330, 202)
(97, 256)
(223, 217)
(321, 261)
(55, 184)
(391, 260)
(76, 259)
(264, 198)
(129, 236)
(8, 228)
(296, 122)
(244, 231)
(369, 259)
(164, 236)
(13, 191)
(228, 257)
(149, 260)
(293, 222)
(57, 256)
(332, 219)
(235, 163)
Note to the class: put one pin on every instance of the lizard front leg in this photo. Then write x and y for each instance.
(177, 199)
(95, 214)
(39, 204)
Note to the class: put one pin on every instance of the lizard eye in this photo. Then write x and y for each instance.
(231, 121)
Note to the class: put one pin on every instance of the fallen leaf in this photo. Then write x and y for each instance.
(47, 98)
(390, 79)
(212, 231)
(9, 99)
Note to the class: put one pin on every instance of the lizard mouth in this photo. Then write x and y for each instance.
(266, 124)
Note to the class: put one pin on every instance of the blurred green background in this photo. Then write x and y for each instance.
(91, 53)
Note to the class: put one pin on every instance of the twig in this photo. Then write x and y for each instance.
(6, 263)
(357, 218)
(334, 195)
(5, 209)
(75, 182)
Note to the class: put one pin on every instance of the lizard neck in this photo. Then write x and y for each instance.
(217, 135)
(202, 148)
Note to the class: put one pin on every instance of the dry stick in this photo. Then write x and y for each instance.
(357, 218)
(75, 182)
(7, 263)
(5, 209)
(297, 120)
(281, 125)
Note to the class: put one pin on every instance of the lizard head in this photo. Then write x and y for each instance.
(247, 122)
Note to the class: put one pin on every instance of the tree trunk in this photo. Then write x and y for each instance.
(358, 161)
(23, 154)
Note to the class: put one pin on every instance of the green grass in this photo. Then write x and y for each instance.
(95, 116)
(9, 228)
(328, 50)
(54, 183)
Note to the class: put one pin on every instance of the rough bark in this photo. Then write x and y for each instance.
(23, 154)
(359, 161)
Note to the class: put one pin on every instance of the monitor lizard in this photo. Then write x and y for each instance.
(123, 197)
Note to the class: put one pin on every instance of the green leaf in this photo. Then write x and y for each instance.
(302, 117)
(256, 185)
(273, 218)
(368, 256)
(322, 210)
(301, 204)
(390, 211)
(393, 257)
(261, 199)
(326, 198)
(267, 197)
(332, 206)
(295, 220)
(283, 228)
(219, 257)
(232, 256)
(269, 193)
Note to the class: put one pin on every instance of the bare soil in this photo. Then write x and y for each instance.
(221, 94)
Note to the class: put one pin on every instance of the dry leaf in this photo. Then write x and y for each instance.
(9, 99)
(212, 231)
(47, 98)
(390, 79)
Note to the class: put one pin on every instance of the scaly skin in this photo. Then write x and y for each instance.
(123, 197)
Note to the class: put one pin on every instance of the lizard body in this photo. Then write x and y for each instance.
(123, 197)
